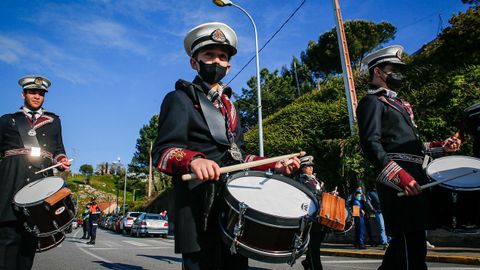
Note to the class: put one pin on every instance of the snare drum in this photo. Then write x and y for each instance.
(268, 217)
(456, 201)
(46, 206)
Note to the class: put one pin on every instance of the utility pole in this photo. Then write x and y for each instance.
(150, 172)
(346, 68)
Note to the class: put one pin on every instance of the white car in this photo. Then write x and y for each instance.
(150, 224)
(128, 220)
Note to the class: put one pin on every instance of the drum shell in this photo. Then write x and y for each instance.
(264, 237)
(43, 219)
(48, 242)
(332, 212)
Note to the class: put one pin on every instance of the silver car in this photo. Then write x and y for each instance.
(149, 224)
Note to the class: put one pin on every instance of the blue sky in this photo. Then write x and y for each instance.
(112, 62)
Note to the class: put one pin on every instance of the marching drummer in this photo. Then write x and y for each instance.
(390, 140)
(30, 140)
(317, 232)
(199, 131)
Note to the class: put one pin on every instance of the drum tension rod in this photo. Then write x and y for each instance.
(298, 240)
(238, 228)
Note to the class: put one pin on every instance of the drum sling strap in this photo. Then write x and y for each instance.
(27, 140)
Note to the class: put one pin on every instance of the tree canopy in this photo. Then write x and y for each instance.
(323, 57)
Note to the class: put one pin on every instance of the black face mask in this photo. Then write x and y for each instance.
(394, 80)
(211, 73)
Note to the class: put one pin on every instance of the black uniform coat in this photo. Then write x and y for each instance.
(385, 127)
(183, 133)
(18, 170)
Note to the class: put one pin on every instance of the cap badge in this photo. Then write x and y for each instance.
(218, 36)
(38, 81)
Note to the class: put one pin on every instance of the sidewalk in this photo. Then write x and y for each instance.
(459, 255)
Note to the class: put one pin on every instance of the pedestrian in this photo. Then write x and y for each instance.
(86, 222)
(199, 130)
(30, 140)
(356, 204)
(390, 140)
(317, 231)
(93, 217)
(372, 197)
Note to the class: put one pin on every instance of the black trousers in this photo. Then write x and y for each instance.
(17, 247)
(86, 228)
(317, 234)
(406, 251)
(93, 230)
(216, 258)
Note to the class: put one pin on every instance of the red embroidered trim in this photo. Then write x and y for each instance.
(27, 151)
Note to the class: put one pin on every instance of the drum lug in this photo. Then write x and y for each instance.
(269, 173)
(298, 240)
(26, 212)
(238, 228)
(55, 224)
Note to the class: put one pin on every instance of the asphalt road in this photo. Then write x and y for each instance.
(115, 251)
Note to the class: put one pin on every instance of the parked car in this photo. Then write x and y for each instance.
(128, 220)
(117, 224)
(150, 224)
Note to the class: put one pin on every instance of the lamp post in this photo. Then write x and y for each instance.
(116, 186)
(125, 189)
(223, 3)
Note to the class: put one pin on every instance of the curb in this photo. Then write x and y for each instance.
(470, 260)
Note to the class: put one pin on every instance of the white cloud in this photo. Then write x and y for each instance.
(11, 50)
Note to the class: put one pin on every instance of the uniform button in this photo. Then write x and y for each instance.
(29, 167)
(43, 134)
(44, 144)
(28, 179)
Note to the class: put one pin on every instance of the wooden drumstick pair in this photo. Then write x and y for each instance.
(243, 166)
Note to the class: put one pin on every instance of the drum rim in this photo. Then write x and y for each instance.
(265, 218)
(262, 255)
(55, 243)
(446, 185)
(41, 200)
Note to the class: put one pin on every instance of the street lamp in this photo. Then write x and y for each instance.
(125, 189)
(116, 186)
(223, 3)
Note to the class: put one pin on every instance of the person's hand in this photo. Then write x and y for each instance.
(452, 144)
(287, 166)
(408, 183)
(205, 169)
(65, 164)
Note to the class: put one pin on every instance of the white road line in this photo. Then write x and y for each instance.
(89, 253)
(352, 261)
(122, 248)
(106, 243)
(135, 243)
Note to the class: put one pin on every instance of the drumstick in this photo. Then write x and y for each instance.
(243, 166)
(51, 167)
(400, 194)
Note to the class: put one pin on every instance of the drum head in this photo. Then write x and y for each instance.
(467, 169)
(38, 190)
(275, 196)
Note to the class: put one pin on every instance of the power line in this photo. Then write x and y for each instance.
(268, 41)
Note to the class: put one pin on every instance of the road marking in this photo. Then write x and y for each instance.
(89, 253)
(135, 243)
(122, 248)
(352, 261)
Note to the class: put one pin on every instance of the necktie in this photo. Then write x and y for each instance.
(32, 116)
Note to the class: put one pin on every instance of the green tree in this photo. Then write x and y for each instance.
(87, 171)
(277, 92)
(323, 57)
(147, 135)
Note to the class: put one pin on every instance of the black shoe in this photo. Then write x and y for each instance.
(88, 243)
(306, 265)
(362, 247)
(92, 242)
